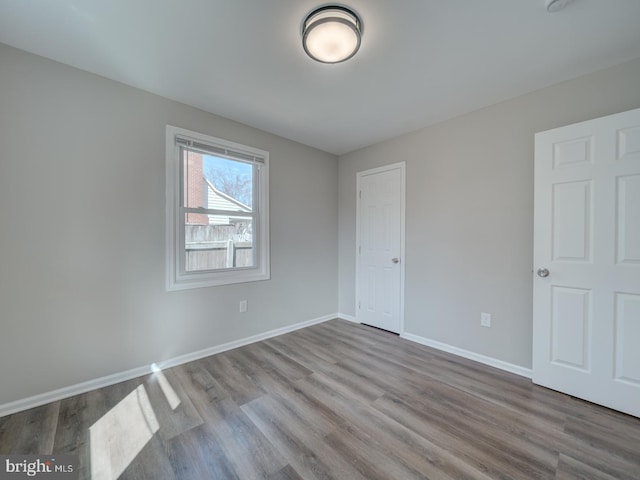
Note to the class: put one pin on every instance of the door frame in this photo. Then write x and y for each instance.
(359, 175)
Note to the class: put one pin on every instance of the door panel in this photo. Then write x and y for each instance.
(572, 220)
(586, 318)
(629, 143)
(627, 332)
(572, 152)
(628, 221)
(570, 329)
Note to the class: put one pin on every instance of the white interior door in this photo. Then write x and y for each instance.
(586, 318)
(380, 247)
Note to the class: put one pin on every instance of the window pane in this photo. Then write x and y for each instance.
(221, 245)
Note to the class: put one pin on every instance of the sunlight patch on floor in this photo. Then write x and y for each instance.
(118, 437)
(167, 389)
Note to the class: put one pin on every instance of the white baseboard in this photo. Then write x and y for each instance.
(190, 357)
(348, 318)
(70, 391)
(492, 362)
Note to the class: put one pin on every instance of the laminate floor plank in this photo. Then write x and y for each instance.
(423, 455)
(545, 404)
(464, 415)
(11, 432)
(374, 371)
(342, 346)
(173, 407)
(492, 461)
(150, 463)
(7, 438)
(623, 425)
(437, 434)
(40, 430)
(572, 469)
(271, 359)
(521, 423)
(302, 350)
(300, 415)
(269, 378)
(194, 379)
(304, 449)
(297, 405)
(31, 431)
(362, 390)
(239, 438)
(371, 461)
(287, 473)
(336, 400)
(396, 347)
(229, 374)
(603, 460)
(77, 415)
(197, 454)
(358, 336)
(323, 344)
(604, 438)
(501, 388)
(414, 450)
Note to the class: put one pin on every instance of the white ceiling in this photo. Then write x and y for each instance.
(421, 61)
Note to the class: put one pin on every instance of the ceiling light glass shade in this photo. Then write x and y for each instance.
(556, 5)
(331, 34)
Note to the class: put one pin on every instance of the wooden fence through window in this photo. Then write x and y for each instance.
(212, 247)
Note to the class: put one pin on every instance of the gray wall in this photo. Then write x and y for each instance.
(82, 218)
(469, 237)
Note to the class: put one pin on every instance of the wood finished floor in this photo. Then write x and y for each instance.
(344, 401)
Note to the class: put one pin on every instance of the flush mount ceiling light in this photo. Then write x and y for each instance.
(331, 34)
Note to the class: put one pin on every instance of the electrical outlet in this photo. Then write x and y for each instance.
(243, 306)
(485, 319)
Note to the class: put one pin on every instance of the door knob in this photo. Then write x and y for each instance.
(543, 272)
(395, 260)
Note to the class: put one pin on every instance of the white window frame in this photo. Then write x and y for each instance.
(177, 277)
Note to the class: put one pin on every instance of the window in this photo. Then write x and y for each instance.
(217, 211)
